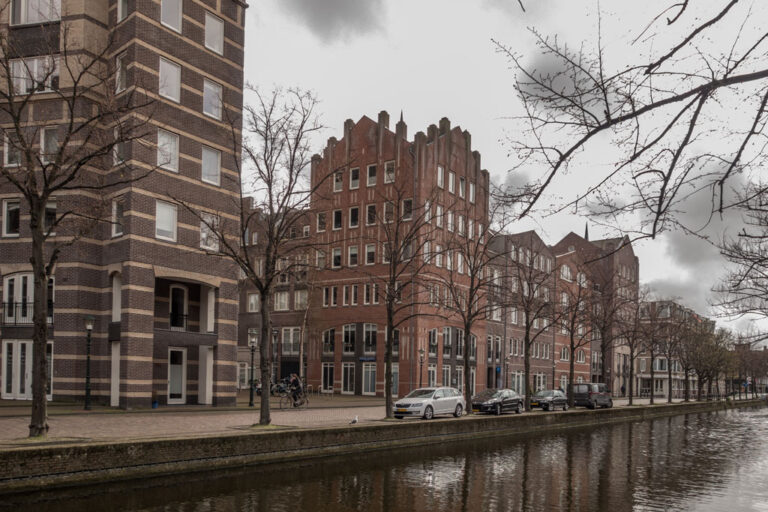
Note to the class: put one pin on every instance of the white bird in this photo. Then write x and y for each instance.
(353, 421)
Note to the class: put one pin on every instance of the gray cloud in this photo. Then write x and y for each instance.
(337, 20)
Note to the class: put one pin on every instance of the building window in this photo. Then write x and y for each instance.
(214, 33)
(440, 176)
(407, 209)
(320, 222)
(291, 340)
(209, 223)
(348, 346)
(11, 151)
(253, 302)
(320, 259)
(389, 172)
(354, 178)
(11, 217)
(337, 220)
(329, 339)
(449, 221)
(370, 215)
(353, 299)
(121, 72)
(334, 296)
(352, 252)
(49, 144)
(281, 301)
(345, 295)
(439, 216)
(167, 150)
(565, 273)
(336, 262)
(432, 375)
(165, 221)
(438, 256)
(348, 378)
(117, 217)
(371, 180)
(300, 300)
(375, 293)
(170, 14)
(212, 99)
(565, 354)
(338, 181)
(35, 11)
(170, 80)
(389, 212)
(432, 344)
(211, 166)
(370, 254)
(369, 338)
(462, 186)
(354, 217)
(446, 375)
(451, 182)
(38, 74)
(369, 378)
(122, 10)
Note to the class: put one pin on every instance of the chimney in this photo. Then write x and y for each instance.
(383, 121)
(445, 126)
(431, 133)
(348, 126)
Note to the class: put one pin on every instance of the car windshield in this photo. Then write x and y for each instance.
(420, 393)
(488, 393)
(547, 392)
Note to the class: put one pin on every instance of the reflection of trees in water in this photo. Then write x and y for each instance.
(665, 461)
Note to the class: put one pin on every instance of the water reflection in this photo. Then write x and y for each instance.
(697, 462)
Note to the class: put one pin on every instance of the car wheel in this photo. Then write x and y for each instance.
(591, 405)
(565, 406)
(610, 403)
(398, 417)
(459, 410)
(498, 410)
(519, 409)
(545, 407)
(428, 413)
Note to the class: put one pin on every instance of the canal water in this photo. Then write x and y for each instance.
(699, 462)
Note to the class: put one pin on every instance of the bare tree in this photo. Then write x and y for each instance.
(474, 282)
(68, 116)
(654, 329)
(406, 231)
(276, 153)
(577, 304)
(660, 112)
(532, 275)
(632, 336)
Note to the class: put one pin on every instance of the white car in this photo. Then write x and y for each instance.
(426, 402)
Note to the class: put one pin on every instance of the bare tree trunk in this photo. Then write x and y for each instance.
(653, 376)
(669, 380)
(468, 366)
(264, 360)
(631, 376)
(687, 386)
(527, 370)
(38, 425)
(571, 372)
(709, 389)
(388, 362)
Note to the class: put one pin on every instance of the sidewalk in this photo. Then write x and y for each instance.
(70, 424)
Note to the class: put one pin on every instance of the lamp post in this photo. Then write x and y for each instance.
(88, 329)
(253, 340)
(421, 365)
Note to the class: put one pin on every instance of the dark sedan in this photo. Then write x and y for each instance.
(549, 400)
(497, 401)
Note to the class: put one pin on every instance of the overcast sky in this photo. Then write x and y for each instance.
(435, 58)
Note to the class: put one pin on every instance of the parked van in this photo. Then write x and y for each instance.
(591, 395)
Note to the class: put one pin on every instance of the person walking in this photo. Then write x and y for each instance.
(623, 390)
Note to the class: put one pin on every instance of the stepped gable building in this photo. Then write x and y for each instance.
(613, 270)
(379, 173)
(165, 312)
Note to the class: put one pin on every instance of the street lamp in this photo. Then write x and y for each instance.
(253, 340)
(88, 327)
(421, 365)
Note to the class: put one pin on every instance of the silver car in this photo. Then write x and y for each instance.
(426, 402)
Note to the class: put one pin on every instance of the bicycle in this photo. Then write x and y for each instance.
(286, 401)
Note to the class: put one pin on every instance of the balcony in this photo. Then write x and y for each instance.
(19, 314)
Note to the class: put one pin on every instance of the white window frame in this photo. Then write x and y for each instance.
(121, 70)
(209, 86)
(369, 368)
(173, 160)
(43, 139)
(353, 249)
(451, 182)
(214, 21)
(282, 301)
(389, 177)
(24, 17)
(6, 204)
(122, 10)
(170, 208)
(370, 249)
(217, 154)
(368, 182)
(472, 192)
(169, 23)
(440, 176)
(334, 252)
(118, 224)
(347, 378)
(338, 181)
(354, 184)
(208, 238)
(6, 152)
(352, 226)
(174, 95)
(333, 220)
(253, 302)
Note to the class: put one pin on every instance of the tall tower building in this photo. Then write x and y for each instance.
(164, 310)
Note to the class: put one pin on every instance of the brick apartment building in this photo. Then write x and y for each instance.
(165, 312)
(378, 174)
(612, 269)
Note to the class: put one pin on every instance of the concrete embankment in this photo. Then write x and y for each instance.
(59, 465)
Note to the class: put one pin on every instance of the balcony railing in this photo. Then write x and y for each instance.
(20, 313)
(178, 322)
